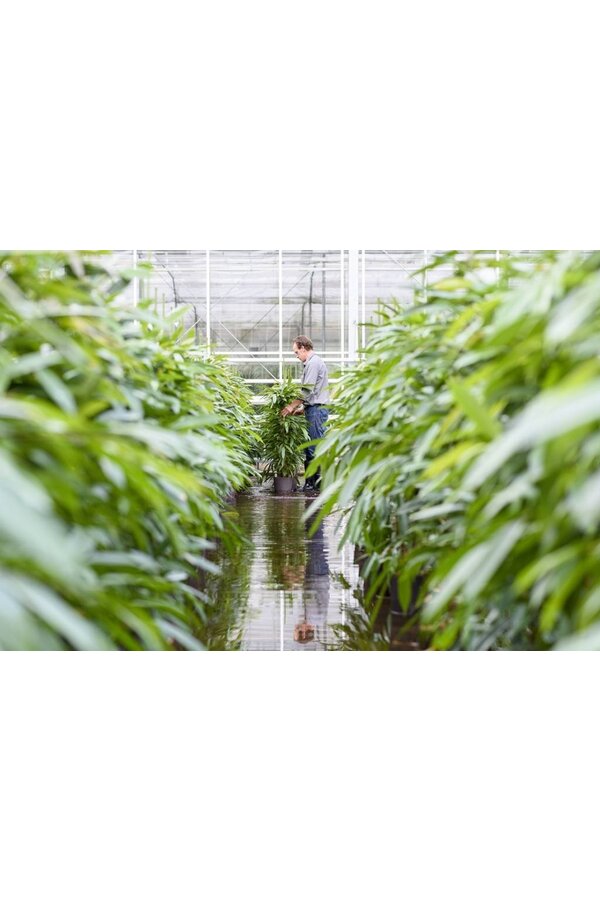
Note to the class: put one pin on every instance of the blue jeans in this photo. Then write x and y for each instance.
(316, 416)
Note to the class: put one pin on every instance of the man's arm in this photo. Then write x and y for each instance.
(307, 388)
(297, 405)
(291, 408)
(313, 378)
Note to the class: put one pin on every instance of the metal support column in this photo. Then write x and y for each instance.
(342, 305)
(323, 296)
(352, 305)
(207, 298)
(364, 307)
(136, 281)
(280, 316)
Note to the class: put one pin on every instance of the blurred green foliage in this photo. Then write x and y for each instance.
(120, 444)
(466, 450)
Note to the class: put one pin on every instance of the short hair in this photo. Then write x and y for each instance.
(303, 341)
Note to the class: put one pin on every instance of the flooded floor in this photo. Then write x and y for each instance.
(288, 589)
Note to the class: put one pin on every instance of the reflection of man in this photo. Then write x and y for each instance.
(315, 396)
(317, 567)
(316, 587)
(303, 633)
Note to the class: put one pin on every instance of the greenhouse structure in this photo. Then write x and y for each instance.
(249, 305)
(300, 450)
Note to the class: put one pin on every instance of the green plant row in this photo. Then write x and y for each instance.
(467, 451)
(119, 445)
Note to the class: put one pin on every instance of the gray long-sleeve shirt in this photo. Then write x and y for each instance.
(315, 378)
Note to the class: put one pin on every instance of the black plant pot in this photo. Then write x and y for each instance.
(405, 628)
(416, 585)
(284, 484)
(360, 556)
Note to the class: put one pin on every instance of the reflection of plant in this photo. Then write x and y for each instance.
(467, 448)
(118, 450)
(227, 592)
(286, 543)
(372, 626)
(359, 633)
(281, 435)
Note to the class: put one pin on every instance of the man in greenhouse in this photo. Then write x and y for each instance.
(314, 400)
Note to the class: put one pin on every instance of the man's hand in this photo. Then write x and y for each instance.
(292, 409)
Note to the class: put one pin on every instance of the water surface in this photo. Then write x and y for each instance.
(287, 590)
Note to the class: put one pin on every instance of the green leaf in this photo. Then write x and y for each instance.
(474, 410)
(588, 639)
(473, 571)
(57, 391)
(71, 625)
(583, 503)
(552, 414)
(436, 512)
(460, 454)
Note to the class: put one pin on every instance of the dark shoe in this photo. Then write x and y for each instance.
(308, 486)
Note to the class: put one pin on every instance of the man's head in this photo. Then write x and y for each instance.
(302, 347)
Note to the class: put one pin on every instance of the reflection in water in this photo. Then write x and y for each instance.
(316, 585)
(380, 623)
(386, 631)
(288, 589)
(220, 616)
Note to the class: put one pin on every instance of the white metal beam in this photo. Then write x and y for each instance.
(280, 267)
(352, 305)
(342, 305)
(207, 298)
(364, 308)
(136, 281)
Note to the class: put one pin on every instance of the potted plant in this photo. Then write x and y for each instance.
(282, 437)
